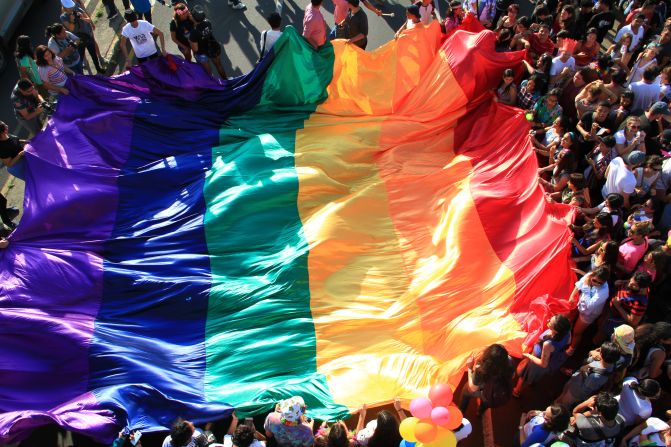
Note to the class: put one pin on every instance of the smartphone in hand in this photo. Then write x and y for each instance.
(135, 437)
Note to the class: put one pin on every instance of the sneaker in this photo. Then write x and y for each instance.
(237, 5)
(12, 213)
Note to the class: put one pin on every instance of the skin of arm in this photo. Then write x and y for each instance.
(398, 408)
(234, 424)
(632, 433)
(368, 5)
(161, 38)
(545, 355)
(124, 50)
(362, 418)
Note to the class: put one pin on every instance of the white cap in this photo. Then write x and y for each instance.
(68, 3)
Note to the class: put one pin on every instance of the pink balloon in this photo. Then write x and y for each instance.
(441, 395)
(421, 407)
(440, 416)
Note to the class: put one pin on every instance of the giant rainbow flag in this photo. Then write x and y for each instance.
(341, 225)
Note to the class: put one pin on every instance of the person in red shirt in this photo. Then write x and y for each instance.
(539, 42)
(628, 306)
(314, 25)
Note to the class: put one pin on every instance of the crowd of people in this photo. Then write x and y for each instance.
(601, 129)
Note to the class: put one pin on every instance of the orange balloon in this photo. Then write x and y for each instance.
(425, 431)
(455, 418)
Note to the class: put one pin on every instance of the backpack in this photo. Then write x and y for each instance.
(496, 393)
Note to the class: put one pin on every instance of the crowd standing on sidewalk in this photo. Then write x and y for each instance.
(601, 129)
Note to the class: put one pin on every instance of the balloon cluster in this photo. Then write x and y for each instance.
(433, 420)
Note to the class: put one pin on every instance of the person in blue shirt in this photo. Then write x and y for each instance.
(541, 427)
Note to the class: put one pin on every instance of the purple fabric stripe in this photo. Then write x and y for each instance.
(49, 297)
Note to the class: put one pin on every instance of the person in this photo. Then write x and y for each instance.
(563, 67)
(592, 293)
(77, 21)
(314, 25)
(380, 432)
(647, 58)
(646, 178)
(542, 427)
(11, 155)
(653, 343)
(288, 424)
(591, 377)
(629, 304)
(356, 25)
(596, 422)
(587, 50)
(242, 435)
(141, 35)
(603, 20)
(588, 100)
(506, 93)
(205, 47)
(65, 45)
(508, 21)
(635, 399)
(7, 214)
(489, 378)
(651, 123)
(547, 354)
(593, 126)
(529, 92)
(636, 29)
(181, 27)
(651, 432)
(539, 42)
(269, 37)
(427, 11)
(454, 17)
(620, 178)
(53, 73)
(182, 434)
(27, 104)
(412, 20)
(630, 138)
(25, 61)
(547, 109)
(632, 250)
(646, 91)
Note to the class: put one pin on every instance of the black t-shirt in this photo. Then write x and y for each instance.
(10, 147)
(603, 22)
(587, 120)
(182, 30)
(356, 24)
(202, 34)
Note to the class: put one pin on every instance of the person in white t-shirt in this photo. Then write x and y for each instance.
(636, 29)
(563, 66)
(631, 138)
(646, 91)
(634, 399)
(427, 11)
(654, 431)
(269, 37)
(620, 178)
(141, 35)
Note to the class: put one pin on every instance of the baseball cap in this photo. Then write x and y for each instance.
(635, 158)
(68, 3)
(623, 337)
(660, 107)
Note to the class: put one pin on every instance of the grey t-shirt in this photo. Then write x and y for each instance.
(593, 428)
(356, 24)
(58, 45)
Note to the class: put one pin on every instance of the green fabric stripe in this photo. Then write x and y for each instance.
(260, 338)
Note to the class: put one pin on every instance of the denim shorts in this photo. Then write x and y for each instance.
(201, 58)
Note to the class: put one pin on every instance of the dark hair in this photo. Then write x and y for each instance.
(566, 162)
(543, 25)
(413, 10)
(274, 20)
(610, 252)
(609, 141)
(643, 279)
(53, 30)
(554, 92)
(338, 436)
(562, 326)
(24, 84)
(607, 405)
(609, 352)
(524, 21)
(354, 3)
(601, 272)
(662, 330)
(577, 180)
(386, 433)
(514, 6)
(541, 10)
(650, 73)
(494, 365)
(39, 55)
(243, 436)
(563, 34)
(180, 433)
(129, 15)
(3, 127)
(646, 387)
(614, 200)
(316, 2)
(603, 104)
(618, 76)
(23, 48)
(559, 419)
(639, 16)
(544, 63)
(627, 94)
(539, 83)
